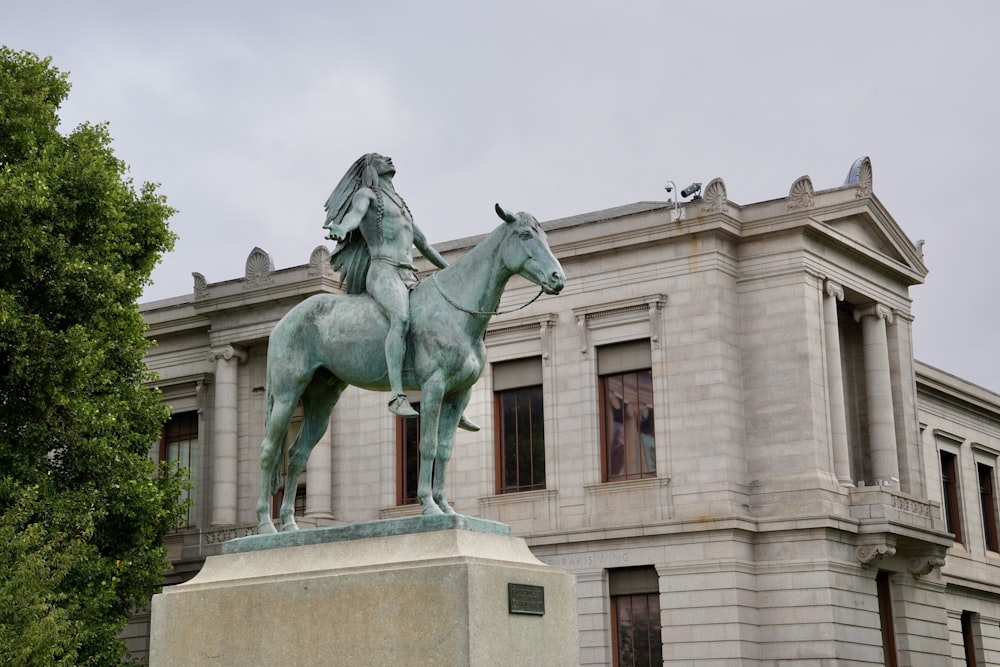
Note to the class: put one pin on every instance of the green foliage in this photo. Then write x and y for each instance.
(82, 507)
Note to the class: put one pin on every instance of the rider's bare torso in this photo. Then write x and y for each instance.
(389, 235)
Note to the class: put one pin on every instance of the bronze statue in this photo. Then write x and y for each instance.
(377, 229)
(330, 341)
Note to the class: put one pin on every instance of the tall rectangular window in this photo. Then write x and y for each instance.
(520, 432)
(180, 438)
(988, 503)
(883, 590)
(970, 639)
(626, 396)
(407, 458)
(949, 494)
(635, 617)
(408, 446)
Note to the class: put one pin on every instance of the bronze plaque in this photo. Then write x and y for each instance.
(525, 599)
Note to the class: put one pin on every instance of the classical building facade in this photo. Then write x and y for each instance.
(718, 427)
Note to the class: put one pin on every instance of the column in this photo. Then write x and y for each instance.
(881, 422)
(832, 293)
(319, 479)
(225, 444)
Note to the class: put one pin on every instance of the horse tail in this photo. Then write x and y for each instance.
(276, 471)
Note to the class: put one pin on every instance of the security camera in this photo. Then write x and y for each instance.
(692, 189)
(669, 188)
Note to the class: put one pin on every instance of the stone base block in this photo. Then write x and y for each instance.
(449, 597)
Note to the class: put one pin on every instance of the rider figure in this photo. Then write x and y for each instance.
(366, 203)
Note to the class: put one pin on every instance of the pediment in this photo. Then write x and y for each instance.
(867, 228)
(865, 231)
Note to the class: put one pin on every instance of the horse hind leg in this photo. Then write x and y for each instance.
(451, 412)
(279, 413)
(317, 403)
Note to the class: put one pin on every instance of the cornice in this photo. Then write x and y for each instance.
(952, 390)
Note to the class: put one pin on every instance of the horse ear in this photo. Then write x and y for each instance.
(505, 214)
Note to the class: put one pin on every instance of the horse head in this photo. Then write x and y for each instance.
(528, 254)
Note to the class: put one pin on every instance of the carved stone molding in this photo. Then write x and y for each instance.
(869, 555)
(920, 566)
(319, 262)
(200, 285)
(860, 176)
(648, 308)
(800, 195)
(831, 288)
(911, 505)
(227, 352)
(714, 197)
(526, 328)
(259, 268)
(873, 310)
(220, 535)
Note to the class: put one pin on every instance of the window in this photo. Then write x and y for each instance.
(626, 395)
(949, 494)
(635, 617)
(407, 457)
(520, 432)
(180, 436)
(988, 503)
(884, 593)
(970, 640)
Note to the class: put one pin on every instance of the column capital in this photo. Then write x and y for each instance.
(227, 352)
(833, 289)
(873, 310)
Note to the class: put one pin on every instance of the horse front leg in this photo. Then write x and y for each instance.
(430, 413)
(451, 413)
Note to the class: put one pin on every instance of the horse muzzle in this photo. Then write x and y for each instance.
(553, 283)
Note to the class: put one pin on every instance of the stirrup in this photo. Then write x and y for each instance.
(399, 405)
(467, 424)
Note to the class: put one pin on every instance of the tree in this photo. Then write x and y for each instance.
(83, 508)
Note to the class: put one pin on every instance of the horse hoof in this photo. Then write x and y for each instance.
(432, 510)
(266, 528)
(445, 507)
(289, 527)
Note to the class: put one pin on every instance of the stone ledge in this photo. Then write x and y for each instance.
(364, 530)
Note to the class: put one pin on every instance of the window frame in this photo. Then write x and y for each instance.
(883, 591)
(635, 585)
(603, 415)
(951, 496)
(407, 455)
(191, 436)
(987, 503)
(511, 379)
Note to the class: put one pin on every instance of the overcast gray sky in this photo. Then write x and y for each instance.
(249, 112)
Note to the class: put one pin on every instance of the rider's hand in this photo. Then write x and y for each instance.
(336, 233)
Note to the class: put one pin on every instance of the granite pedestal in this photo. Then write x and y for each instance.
(448, 591)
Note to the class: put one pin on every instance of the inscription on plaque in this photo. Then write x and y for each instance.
(525, 599)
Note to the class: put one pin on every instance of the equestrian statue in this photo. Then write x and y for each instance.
(391, 331)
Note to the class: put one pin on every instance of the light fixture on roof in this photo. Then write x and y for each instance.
(692, 191)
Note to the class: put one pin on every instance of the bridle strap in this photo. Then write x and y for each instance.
(480, 313)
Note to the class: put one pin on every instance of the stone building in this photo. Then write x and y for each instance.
(718, 427)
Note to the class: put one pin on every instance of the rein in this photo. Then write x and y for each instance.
(481, 313)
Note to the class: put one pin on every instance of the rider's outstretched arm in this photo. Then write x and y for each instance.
(352, 219)
(427, 249)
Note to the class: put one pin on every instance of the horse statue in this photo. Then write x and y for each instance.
(330, 341)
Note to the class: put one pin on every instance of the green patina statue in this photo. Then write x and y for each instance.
(391, 331)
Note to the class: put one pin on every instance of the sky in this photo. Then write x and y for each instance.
(248, 113)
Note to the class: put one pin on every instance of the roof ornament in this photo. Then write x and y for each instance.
(860, 176)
